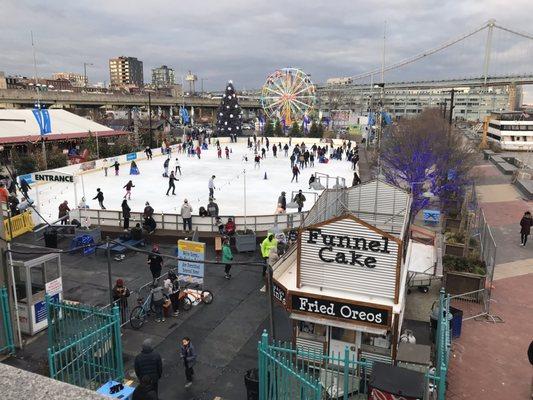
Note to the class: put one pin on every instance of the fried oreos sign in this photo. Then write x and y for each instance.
(351, 255)
(52, 177)
(330, 308)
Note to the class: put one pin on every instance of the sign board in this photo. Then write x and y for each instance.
(191, 271)
(53, 176)
(28, 178)
(325, 307)
(131, 156)
(88, 165)
(54, 287)
(280, 293)
(346, 253)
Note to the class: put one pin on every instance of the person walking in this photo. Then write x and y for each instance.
(312, 180)
(188, 355)
(156, 262)
(120, 298)
(211, 187)
(117, 167)
(295, 173)
(269, 242)
(212, 208)
(171, 288)
(100, 197)
(356, 180)
(299, 199)
(128, 187)
(105, 166)
(525, 227)
(158, 299)
(148, 364)
(126, 214)
(186, 215)
(24, 187)
(63, 212)
(282, 202)
(171, 184)
(165, 167)
(227, 257)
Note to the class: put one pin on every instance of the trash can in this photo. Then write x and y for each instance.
(433, 320)
(50, 238)
(251, 381)
(457, 321)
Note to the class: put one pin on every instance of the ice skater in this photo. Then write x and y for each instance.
(128, 187)
(211, 187)
(105, 166)
(148, 152)
(100, 197)
(177, 167)
(165, 166)
(257, 161)
(295, 173)
(134, 170)
(171, 184)
(286, 149)
(299, 199)
(117, 167)
(219, 152)
(226, 150)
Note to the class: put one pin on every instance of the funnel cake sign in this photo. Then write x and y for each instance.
(348, 254)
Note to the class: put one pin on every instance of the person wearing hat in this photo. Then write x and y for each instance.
(267, 244)
(120, 298)
(186, 215)
(148, 363)
(156, 262)
(148, 210)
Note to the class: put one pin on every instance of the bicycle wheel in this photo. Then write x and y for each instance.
(207, 296)
(186, 303)
(137, 317)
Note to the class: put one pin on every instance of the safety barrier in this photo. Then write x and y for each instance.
(84, 344)
(287, 372)
(18, 225)
(174, 222)
(7, 345)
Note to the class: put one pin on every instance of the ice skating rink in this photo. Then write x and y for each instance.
(151, 186)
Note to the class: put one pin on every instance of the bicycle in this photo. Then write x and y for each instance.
(140, 313)
(190, 296)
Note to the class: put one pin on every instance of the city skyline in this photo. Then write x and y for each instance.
(249, 40)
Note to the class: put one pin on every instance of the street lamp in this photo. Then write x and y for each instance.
(85, 65)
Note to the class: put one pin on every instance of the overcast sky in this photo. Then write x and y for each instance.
(245, 40)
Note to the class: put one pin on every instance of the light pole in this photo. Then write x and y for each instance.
(202, 84)
(85, 65)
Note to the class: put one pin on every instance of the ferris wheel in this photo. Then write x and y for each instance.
(288, 94)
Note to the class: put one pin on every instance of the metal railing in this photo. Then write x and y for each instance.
(7, 344)
(174, 222)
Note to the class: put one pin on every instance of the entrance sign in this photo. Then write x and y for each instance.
(191, 271)
(340, 310)
(52, 176)
(346, 253)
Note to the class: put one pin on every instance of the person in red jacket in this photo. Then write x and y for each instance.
(4, 194)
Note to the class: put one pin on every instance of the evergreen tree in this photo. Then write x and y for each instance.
(278, 131)
(269, 129)
(229, 116)
(295, 129)
(313, 131)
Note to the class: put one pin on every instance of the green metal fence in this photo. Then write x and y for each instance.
(7, 345)
(298, 373)
(84, 344)
(442, 347)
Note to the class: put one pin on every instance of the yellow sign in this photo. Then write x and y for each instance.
(195, 247)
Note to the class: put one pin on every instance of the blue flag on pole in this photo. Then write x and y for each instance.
(43, 120)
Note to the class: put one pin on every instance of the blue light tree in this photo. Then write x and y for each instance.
(422, 154)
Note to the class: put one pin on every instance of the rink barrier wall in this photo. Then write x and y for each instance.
(174, 222)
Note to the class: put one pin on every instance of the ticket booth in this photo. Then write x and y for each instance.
(34, 278)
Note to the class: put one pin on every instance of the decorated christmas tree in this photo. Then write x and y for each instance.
(229, 116)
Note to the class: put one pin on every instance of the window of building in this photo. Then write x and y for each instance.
(344, 335)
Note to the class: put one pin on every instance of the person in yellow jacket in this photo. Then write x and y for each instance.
(269, 242)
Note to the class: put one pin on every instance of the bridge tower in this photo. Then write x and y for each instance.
(488, 45)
